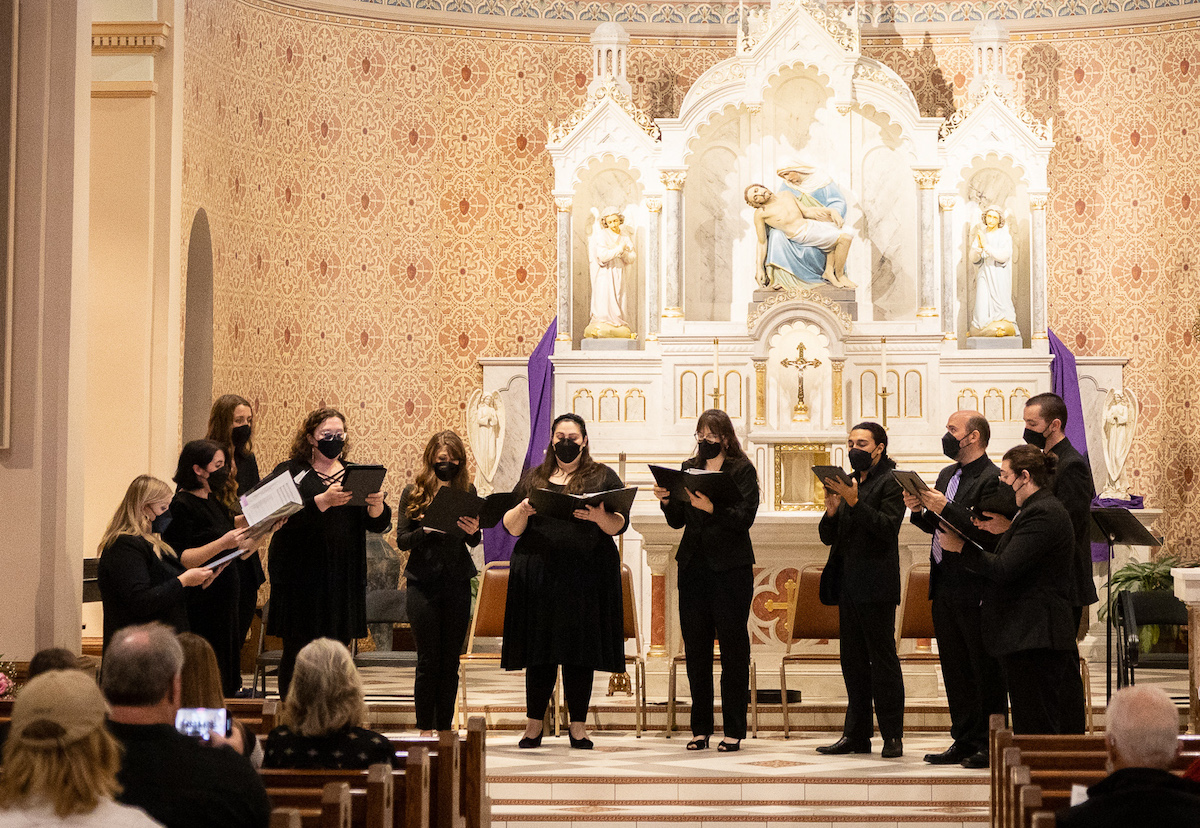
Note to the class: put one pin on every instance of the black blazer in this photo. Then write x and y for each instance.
(435, 558)
(720, 541)
(1073, 486)
(1027, 601)
(980, 481)
(864, 554)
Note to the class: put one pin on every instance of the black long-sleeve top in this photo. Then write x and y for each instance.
(1075, 489)
(719, 541)
(433, 557)
(137, 587)
(864, 558)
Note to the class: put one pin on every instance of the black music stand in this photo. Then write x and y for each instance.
(1113, 526)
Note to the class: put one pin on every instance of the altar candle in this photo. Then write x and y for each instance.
(716, 365)
(883, 361)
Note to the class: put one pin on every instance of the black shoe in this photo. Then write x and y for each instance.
(729, 747)
(845, 745)
(977, 760)
(582, 744)
(892, 749)
(698, 743)
(952, 755)
(531, 741)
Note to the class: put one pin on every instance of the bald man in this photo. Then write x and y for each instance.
(1142, 739)
(974, 686)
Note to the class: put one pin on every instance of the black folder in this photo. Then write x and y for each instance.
(361, 481)
(562, 506)
(717, 486)
(449, 504)
(911, 482)
(832, 472)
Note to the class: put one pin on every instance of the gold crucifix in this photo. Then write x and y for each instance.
(800, 409)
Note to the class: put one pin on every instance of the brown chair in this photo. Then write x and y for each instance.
(487, 622)
(631, 631)
(816, 622)
(916, 614)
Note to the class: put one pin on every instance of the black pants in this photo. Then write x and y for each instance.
(1072, 714)
(1037, 682)
(716, 605)
(577, 689)
(871, 669)
(292, 645)
(440, 616)
(974, 682)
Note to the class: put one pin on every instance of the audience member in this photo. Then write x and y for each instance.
(1142, 739)
(322, 714)
(52, 658)
(177, 779)
(201, 687)
(60, 763)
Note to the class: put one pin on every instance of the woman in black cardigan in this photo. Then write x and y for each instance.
(716, 581)
(1028, 622)
(861, 524)
(439, 573)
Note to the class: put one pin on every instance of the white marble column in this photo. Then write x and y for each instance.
(1037, 261)
(949, 309)
(563, 206)
(926, 180)
(653, 267)
(672, 246)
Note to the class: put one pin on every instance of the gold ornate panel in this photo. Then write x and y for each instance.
(583, 404)
(635, 406)
(1016, 404)
(689, 394)
(968, 400)
(609, 406)
(796, 487)
(914, 397)
(993, 405)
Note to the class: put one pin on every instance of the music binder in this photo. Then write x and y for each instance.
(832, 472)
(361, 481)
(562, 505)
(717, 486)
(449, 504)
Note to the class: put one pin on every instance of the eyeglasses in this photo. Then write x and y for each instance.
(332, 435)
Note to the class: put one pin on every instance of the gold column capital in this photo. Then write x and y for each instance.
(562, 204)
(654, 204)
(947, 202)
(1038, 202)
(673, 179)
(926, 178)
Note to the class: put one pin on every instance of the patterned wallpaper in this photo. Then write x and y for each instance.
(379, 198)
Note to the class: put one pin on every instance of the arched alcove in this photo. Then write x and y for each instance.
(198, 329)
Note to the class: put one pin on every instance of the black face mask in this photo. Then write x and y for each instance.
(950, 446)
(446, 471)
(240, 436)
(216, 480)
(160, 523)
(707, 450)
(566, 451)
(860, 460)
(331, 447)
(1035, 438)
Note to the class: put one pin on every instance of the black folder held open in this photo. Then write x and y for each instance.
(562, 505)
(449, 504)
(717, 486)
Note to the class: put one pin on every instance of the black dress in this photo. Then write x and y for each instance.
(564, 592)
(250, 570)
(137, 587)
(318, 568)
(439, 573)
(716, 588)
(213, 611)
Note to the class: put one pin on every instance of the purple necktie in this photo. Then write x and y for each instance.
(951, 490)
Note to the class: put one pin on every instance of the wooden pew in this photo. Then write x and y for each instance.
(473, 802)
(445, 776)
(328, 807)
(256, 715)
(286, 818)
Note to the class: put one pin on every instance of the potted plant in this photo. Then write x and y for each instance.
(1145, 576)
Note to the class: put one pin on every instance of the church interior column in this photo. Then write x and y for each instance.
(1037, 280)
(653, 267)
(563, 206)
(949, 286)
(926, 180)
(657, 558)
(673, 244)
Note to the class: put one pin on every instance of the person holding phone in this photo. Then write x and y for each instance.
(141, 578)
(201, 522)
(439, 573)
(861, 525)
(564, 602)
(716, 581)
(318, 559)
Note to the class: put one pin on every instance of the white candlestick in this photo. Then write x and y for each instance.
(883, 362)
(716, 365)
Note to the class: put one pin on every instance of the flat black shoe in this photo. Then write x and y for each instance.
(977, 761)
(729, 747)
(845, 745)
(952, 755)
(892, 749)
(531, 741)
(582, 744)
(698, 743)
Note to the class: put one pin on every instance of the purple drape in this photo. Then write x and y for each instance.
(1064, 381)
(497, 543)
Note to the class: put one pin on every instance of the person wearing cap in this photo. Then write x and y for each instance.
(179, 780)
(60, 762)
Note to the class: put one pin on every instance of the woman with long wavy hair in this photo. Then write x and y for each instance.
(439, 573)
(564, 588)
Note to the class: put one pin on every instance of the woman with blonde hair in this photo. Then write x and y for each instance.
(439, 573)
(322, 715)
(141, 578)
(60, 762)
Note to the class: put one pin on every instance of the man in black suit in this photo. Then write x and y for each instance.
(974, 687)
(1142, 741)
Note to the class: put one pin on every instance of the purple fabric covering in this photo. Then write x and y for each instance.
(1100, 550)
(1064, 381)
(497, 543)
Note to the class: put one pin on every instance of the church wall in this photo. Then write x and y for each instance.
(381, 210)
